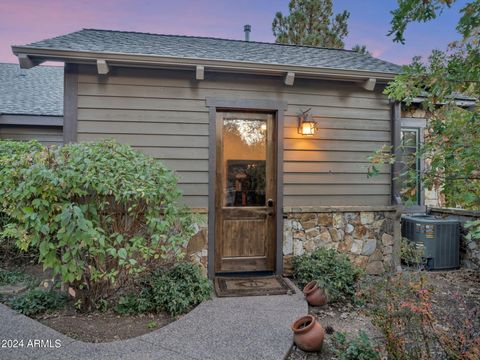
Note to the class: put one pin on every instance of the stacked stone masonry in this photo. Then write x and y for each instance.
(366, 237)
(197, 248)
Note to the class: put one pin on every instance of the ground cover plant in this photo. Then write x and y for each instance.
(402, 307)
(354, 348)
(38, 301)
(333, 271)
(10, 277)
(411, 252)
(173, 289)
(99, 214)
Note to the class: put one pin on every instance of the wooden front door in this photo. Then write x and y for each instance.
(245, 192)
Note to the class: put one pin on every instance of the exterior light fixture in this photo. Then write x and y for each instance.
(306, 126)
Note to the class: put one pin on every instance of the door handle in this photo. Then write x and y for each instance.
(270, 202)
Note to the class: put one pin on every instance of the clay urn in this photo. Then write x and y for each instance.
(308, 334)
(314, 295)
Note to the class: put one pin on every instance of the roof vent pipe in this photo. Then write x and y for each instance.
(247, 29)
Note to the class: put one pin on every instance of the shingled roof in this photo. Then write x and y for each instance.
(136, 43)
(37, 91)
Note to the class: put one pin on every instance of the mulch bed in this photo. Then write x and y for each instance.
(103, 327)
(93, 327)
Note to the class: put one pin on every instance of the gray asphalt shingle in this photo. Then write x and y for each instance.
(211, 48)
(36, 91)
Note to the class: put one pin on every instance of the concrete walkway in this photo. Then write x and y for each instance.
(256, 327)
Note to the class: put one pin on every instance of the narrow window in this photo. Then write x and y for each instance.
(410, 187)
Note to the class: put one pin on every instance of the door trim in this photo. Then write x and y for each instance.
(277, 108)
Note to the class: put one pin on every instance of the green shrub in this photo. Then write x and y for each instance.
(411, 253)
(473, 230)
(10, 153)
(174, 289)
(99, 213)
(37, 301)
(359, 348)
(333, 271)
(178, 288)
(9, 277)
(135, 303)
(405, 308)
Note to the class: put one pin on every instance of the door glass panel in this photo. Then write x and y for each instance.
(244, 162)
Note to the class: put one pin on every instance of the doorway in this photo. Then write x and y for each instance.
(246, 187)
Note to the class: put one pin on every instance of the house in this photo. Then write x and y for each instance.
(31, 103)
(270, 141)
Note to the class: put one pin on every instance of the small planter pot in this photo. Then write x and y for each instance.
(308, 334)
(314, 295)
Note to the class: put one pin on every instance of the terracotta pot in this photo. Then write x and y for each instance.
(308, 334)
(314, 295)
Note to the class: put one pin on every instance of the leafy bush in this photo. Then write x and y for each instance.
(8, 277)
(99, 213)
(178, 288)
(135, 303)
(399, 307)
(333, 271)
(359, 348)
(10, 153)
(174, 289)
(473, 230)
(37, 301)
(402, 307)
(411, 253)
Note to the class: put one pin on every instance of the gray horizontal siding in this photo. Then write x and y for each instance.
(331, 167)
(322, 156)
(144, 139)
(335, 189)
(335, 200)
(314, 143)
(48, 135)
(327, 178)
(163, 114)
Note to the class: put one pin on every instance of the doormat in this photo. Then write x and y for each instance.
(251, 286)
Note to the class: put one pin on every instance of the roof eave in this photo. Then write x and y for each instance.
(461, 102)
(30, 119)
(37, 55)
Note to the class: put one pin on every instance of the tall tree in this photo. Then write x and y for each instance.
(362, 49)
(452, 140)
(311, 22)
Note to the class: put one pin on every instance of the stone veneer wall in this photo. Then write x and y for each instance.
(367, 235)
(197, 248)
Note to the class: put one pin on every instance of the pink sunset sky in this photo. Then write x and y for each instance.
(25, 21)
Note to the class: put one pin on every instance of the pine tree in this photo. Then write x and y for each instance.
(362, 49)
(311, 22)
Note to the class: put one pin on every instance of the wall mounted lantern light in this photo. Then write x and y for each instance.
(306, 126)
